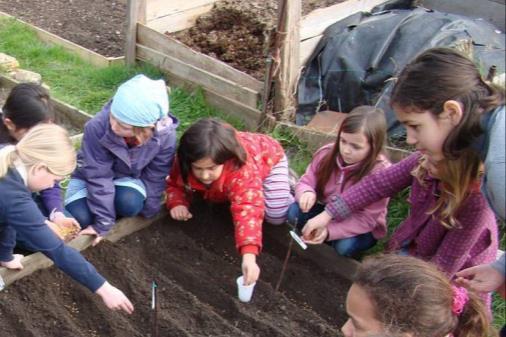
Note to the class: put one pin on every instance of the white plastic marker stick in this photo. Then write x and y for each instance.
(297, 239)
(154, 306)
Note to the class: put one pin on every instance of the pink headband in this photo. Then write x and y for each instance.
(460, 298)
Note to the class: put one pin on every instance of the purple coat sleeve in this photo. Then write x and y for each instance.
(52, 199)
(96, 167)
(381, 184)
(155, 173)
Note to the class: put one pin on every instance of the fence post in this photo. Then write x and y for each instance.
(136, 12)
(288, 72)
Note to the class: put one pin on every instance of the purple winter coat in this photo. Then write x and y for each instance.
(474, 242)
(104, 156)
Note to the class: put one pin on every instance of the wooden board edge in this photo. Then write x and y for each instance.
(47, 37)
(200, 76)
(37, 261)
(164, 44)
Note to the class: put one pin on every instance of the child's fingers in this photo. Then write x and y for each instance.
(127, 306)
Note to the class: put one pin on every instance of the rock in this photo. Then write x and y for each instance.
(8, 63)
(26, 76)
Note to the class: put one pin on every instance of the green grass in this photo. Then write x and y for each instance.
(88, 88)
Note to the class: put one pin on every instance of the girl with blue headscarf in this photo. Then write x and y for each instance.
(126, 152)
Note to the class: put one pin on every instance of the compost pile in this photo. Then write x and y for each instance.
(236, 32)
(195, 265)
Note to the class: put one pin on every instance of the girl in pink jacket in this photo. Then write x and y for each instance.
(335, 167)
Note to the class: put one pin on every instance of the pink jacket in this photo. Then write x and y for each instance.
(371, 218)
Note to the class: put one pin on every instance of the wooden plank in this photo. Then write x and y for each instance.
(169, 46)
(198, 76)
(250, 116)
(83, 53)
(318, 20)
(180, 20)
(160, 8)
(37, 261)
(287, 38)
(136, 12)
(316, 139)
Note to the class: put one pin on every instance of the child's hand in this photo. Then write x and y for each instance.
(317, 223)
(180, 213)
(317, 236)
(250, 269)
(55, 228)
(68, 227)
(91, 231)
(482, 278)
(114, 298)
(307, 201)
(15, 263)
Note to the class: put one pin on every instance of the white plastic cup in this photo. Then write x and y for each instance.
(244, 292)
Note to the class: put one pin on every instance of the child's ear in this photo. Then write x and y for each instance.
(9, 124)
(38, 168)
(453, 111)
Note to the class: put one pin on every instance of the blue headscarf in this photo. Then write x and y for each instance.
(140, 101)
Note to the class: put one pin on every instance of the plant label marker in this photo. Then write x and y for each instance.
(298, 239)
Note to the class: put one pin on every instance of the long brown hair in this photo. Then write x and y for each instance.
(458, 178)
(209, 137)
(366, 119)
(412, 296)
(441, 74)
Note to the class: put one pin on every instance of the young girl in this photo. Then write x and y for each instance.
(335, 167)
(126, 152)
(248, 170)
(404, 296)
(450, 222)
(27, 105)
(42, 157)
(442, 88)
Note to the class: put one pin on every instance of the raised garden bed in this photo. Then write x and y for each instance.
(195, 265)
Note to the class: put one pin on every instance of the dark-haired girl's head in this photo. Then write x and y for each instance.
(27, 105)
(440, 97)
(205, 147)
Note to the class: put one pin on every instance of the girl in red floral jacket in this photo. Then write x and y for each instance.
(249, 170)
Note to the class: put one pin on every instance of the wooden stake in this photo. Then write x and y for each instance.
(287, 76)
(285, 264)
(136, 12)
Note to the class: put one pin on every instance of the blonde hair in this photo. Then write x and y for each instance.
(48, 144)
(458, 178)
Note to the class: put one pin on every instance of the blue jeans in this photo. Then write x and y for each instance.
(127, 202)
(345, 247)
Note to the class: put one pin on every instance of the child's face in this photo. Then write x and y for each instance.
(40, 178)
(426, 131)
(362, 319)
(206, 170)
(353, 147)
(121, 129)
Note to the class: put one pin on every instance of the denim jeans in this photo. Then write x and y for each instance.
(127, 202)
(345, 247)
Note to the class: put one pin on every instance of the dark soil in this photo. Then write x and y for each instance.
(236, 32)
(195, 266)
(98, 25)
